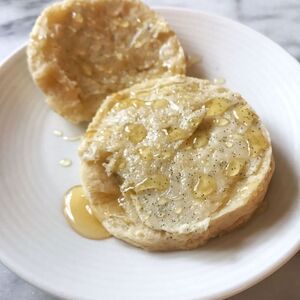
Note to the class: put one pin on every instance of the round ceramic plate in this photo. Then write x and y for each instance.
(37, 243)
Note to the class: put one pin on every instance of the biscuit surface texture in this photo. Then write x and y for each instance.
(170, 163)
(81, 51)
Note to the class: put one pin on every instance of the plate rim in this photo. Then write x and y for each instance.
(225, 293)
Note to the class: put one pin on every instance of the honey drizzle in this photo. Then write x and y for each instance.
(79, 215)
(65, 162)
(60, 134)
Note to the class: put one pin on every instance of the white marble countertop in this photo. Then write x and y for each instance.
(278, 19)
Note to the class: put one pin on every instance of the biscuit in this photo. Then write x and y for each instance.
(170, 163)
(81, 51)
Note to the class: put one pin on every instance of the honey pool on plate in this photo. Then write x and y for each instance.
(79, 215)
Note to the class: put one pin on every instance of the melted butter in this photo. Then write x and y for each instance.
(234, 167)
(244, 115)
(257, 142)
(195, 121)
(136, 132)
(146, 153)
(158, 181)
(79, 215)
(177, 134)
(199, 139)
(205, 186)
(221, 122)
(217, 106)
(65, 162)
(120, 164)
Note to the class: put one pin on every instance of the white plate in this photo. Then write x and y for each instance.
(35, 240)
